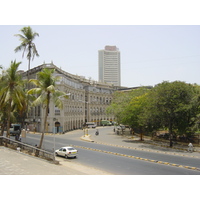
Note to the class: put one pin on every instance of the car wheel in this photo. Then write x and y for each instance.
(66, 156)
(74, 156)
(56, 154)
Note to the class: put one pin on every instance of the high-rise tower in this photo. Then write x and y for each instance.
(109, 65)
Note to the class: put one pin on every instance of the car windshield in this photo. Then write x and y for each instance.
(70, 148)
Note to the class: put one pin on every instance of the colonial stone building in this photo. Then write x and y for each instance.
(87, 102)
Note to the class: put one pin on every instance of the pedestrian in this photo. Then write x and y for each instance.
(190, 147)
(97, 132)
(18, 149)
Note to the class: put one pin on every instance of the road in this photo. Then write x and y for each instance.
(127, 160)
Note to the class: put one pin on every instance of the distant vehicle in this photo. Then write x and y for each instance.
(105, 123)
(15, 129)
(91, 124)
(114, 123)
(121, 127)
(67, 152)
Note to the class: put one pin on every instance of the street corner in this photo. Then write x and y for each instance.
(86, 138)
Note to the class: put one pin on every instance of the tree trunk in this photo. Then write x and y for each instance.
(141, 134)
(28, 87)
(170, 135)
(8, 122)
(8, 119)
(45, 123)
(2, 131)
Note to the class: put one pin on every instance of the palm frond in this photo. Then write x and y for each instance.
(35, 82)
(37, 91)
(51, 89)
(27, 44)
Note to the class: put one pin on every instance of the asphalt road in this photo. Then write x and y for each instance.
(97, 155)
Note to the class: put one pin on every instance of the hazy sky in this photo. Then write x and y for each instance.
(149, 54)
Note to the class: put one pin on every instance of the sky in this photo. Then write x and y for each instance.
(150, 54)
(158, 40)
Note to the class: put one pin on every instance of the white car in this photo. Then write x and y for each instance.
(91, 125)
(67, 152)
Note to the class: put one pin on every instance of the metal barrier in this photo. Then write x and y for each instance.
(31, 150)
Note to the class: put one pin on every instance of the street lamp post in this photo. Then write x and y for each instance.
(54, 141)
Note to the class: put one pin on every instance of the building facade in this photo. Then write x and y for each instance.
(109, 65)
(87, 102)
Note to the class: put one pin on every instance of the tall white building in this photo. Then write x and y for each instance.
(109, 65)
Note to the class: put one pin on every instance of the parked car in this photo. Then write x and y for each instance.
(15, 129)
(105, 123)
(67, 152)
(121, 127)
(91, 125)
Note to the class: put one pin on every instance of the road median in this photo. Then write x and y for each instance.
(86, 138)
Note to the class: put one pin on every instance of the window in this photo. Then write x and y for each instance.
(71, 148)
(57, 111)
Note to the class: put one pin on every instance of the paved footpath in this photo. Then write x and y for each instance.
(16, 163)
(134, 142)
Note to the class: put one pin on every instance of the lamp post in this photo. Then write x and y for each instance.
(54, 140)
(54, 119)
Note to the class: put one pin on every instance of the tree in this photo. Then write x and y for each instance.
(46, 92)
(127, 107)
(173, 106)
(123, 104)
(11, 91)
(171, 103)
(119, 102)
(27, 44)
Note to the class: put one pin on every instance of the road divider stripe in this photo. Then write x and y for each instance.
(139, 158)
(128, 147)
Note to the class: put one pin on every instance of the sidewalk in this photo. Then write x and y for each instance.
(111, 138)
(16, 163)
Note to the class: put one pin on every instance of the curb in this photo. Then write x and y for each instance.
(142, 149)
(86, 138)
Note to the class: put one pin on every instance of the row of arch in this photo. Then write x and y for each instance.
(74, 124)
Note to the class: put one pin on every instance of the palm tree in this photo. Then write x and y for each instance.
(46, 92)
(27, 44)
(27, 37)
(11, 91)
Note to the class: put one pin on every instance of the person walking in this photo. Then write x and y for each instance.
(190, 147)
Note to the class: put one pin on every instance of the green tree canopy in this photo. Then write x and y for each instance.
(12, 91)
(126, 106)
(169, 105)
